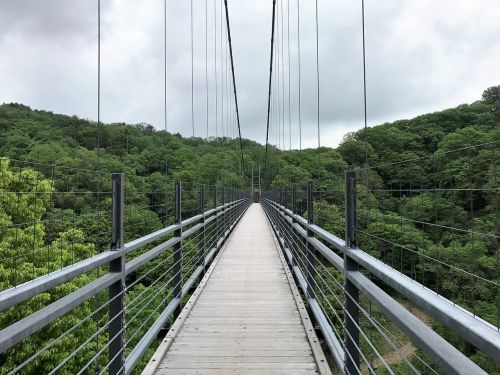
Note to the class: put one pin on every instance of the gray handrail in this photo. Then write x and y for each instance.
(475, 330)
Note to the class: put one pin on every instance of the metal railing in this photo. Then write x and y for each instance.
(359, 302)
(127, 319)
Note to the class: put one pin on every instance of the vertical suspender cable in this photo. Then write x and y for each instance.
(98, 197)
(367, 180)
(230, 105)
(298, 54)
(277, 75)
(289, 78)
(282, 78)
(229, 95)
(275, 84)
(222, 89)
(215, 70)
(226, 81)
(165, 93)
(233, 116)
(233, 128)
(273, 103)
(206, 60)
(272, 112)
(270, 82)
(273, 99)
(98, 120)
(227, 88)
(192, 69)
(276, 78)
(317, 71)
(364, 80)
(98, 79)
(98, 94)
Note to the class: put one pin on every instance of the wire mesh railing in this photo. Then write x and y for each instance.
(51, 218)
(373, 313)
(437, 220)
(90, 278)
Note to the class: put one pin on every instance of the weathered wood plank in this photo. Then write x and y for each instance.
(238, 365)
(249, 371)
(246, 345)
(187, 360)
(238, 353)
(246, 320)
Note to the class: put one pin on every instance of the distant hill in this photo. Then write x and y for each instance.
(45, 137)
(428, 200)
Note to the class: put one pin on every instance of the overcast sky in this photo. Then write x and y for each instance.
(422, 55)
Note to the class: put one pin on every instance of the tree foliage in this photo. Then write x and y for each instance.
(423, 184)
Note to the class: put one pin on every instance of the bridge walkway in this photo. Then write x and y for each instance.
(246, 317)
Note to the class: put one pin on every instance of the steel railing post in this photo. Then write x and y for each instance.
(311, 263)
(294, 211)
(351, 292)
(231, 198)
(230, 209)
(177, 267)
(202, 248)
(215, 233)
(229, 217)
(116, 328)
(234, 209)
(223, 195)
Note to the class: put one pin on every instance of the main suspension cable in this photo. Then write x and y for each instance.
(234, 82)
(270, 82)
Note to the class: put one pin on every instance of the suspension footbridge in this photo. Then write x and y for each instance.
(246, 316)
(344, 271)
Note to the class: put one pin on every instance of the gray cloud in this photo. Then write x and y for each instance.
(421, 56)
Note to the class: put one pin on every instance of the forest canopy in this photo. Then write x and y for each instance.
(428, 188)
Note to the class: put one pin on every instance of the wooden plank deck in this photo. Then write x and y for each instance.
(244, 317)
